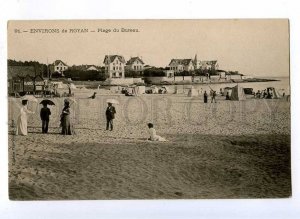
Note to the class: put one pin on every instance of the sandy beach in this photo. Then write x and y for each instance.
(228, 149)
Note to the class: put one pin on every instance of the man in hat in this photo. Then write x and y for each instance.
(110, 115)
(44, 114)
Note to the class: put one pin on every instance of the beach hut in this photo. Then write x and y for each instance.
(28, 84)
(39, 84)
(237, 93)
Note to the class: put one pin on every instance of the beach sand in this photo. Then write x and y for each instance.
(231, 149)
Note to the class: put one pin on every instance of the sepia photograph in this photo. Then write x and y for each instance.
(149, 109)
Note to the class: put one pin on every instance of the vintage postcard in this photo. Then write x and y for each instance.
(149, 109)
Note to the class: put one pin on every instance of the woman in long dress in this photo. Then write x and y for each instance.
(22, 119)
(66, 120)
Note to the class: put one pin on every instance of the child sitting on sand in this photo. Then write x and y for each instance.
(153, 136)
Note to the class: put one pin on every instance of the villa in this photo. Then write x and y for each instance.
(114, 66)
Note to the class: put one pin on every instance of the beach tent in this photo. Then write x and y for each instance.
(275, 93)
(141, 89)
(59, 84)
(134, 90)
(227, 89)
(72, 86)
(237, 93)
(154, 89)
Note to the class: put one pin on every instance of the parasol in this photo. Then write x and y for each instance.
(114, 101)
(48, 102)
(29, 98)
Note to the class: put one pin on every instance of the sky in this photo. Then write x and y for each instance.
(252, 47)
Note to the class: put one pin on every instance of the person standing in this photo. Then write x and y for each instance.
(205, 97)
(213, 97)
(110, 115)
(227, 96)
(66, 119)
(70, 91)
(44, 114)
(22, 119)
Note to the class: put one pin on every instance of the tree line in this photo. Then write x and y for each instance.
(100, 75)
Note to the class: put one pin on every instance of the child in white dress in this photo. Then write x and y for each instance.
(153, 135)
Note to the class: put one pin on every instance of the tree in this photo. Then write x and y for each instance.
(85, 75)
(132, 74)
(154, 72)
(185, 73)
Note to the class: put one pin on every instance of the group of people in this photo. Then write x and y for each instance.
(265, 94)
(213, 95)
(45, 117)
(65, 120)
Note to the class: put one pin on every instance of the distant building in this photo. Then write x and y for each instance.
(205, 65)
(169, 73)
(58, 67)
(85, 68)
(148, 67)
(135, 64)
(114, 66)
(92, 68)
(180, 65)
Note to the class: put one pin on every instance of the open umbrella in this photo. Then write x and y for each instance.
(29, 98)
(114, 101)
(48, 102)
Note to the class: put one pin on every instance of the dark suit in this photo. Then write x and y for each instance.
(110, 115)
(45, 113)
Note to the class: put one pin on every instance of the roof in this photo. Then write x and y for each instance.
(83, 67)
(113, 57)
(213, 62)
(133, 59)
(56, 62)
(181, 61)
(20, 71)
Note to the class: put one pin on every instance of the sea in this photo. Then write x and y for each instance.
(282, 84)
